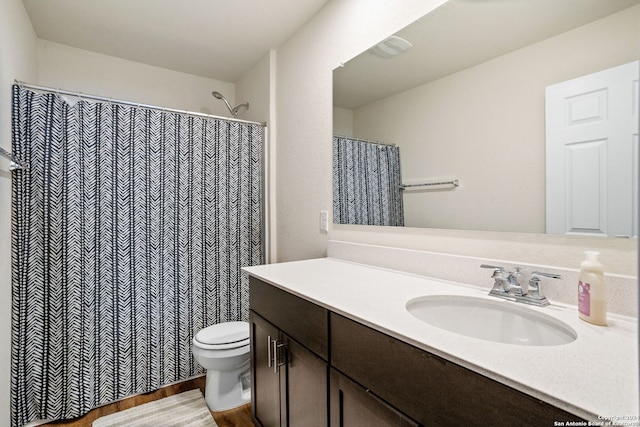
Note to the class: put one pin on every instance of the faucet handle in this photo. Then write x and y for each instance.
(535, 287)
(551, 275)
(500, 276)
(498, 272)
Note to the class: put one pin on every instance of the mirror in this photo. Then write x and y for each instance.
(467, 102)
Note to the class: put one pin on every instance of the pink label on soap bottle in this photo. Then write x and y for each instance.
(584, 298)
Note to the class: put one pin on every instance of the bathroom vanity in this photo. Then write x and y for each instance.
(289, 358)
(333, 344)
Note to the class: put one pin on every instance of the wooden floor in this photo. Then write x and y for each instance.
(239, 417)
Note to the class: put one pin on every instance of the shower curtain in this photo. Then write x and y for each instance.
(366, 183)
(128, 234)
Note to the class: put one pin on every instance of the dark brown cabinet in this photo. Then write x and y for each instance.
(290, 376)
(306, 385)
(334, 371)
(428, 388)
(266, 384)
(354, 406)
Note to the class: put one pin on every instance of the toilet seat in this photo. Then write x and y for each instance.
(223, 336)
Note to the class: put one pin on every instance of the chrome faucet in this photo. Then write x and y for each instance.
(514, 285)
(507, 285)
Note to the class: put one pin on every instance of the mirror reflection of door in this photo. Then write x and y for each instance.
(592, 150)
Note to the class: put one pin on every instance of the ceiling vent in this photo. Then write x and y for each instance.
(390, 47)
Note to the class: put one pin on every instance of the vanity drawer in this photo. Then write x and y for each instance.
(302, 320)
(428, 388)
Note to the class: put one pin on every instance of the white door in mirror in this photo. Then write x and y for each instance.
(592, 147)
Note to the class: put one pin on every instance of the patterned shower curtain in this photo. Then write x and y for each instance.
(128, 234)
(366, 183)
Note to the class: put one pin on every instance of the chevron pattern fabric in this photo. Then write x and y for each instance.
(128, 234)
(366, 183)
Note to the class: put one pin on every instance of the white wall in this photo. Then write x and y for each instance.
(78, 70)
(499, 150)
(253, 87)
(257, 86)
(343, 122)
(339, 32)
(18, 60)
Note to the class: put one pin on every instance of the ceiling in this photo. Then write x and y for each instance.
(219, 39)
(458, 35)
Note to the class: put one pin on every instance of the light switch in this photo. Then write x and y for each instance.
(324, 221)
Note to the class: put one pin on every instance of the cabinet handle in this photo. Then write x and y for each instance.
(275, 355)
(272, 354)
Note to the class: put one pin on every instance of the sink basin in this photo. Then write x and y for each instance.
(497, 321)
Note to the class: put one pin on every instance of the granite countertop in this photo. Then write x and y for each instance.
(594, 377)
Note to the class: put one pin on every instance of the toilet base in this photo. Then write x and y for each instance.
(224, 390)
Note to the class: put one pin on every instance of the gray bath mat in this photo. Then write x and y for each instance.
(186, 409)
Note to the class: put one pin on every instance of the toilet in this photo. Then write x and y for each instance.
(223, 350)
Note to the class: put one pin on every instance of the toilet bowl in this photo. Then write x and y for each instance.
(223, 350)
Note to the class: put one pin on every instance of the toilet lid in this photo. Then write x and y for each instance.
(229, 334)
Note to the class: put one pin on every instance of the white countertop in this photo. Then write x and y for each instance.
(595, 375)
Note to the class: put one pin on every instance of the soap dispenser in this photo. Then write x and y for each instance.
(592, 290)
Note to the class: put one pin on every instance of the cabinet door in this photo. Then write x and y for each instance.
(265, 389)
(354, 406)
(306, 382)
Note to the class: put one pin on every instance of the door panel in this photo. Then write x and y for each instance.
(265, 382)
(354, 406)
(586, 183)
(306, 376)
(591, 134)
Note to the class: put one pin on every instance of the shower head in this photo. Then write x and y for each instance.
(218, 95)
(232, 110)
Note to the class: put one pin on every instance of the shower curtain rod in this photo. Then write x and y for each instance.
(390, 144)
(134, 104)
